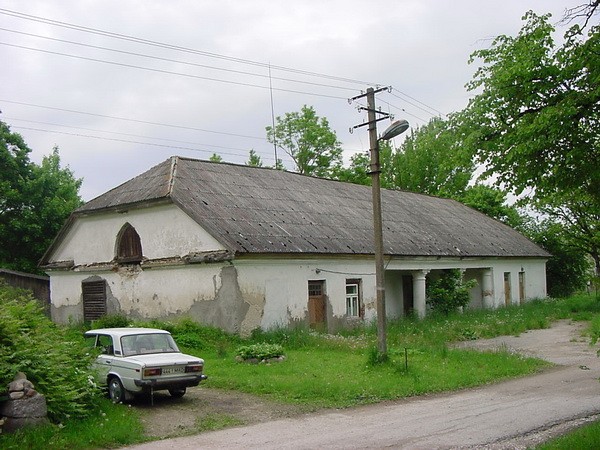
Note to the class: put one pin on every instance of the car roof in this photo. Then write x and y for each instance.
(125, 331)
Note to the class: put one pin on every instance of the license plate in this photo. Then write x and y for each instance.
(171, 370)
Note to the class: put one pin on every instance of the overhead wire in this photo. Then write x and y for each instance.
(415, 103)
(158, 58)
(143, 41)
(133, 135)
(125, 141)
(147, 122)
(169, 72)
(437, 111)
(269, 66)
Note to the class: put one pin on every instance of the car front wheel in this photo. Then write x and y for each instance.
(116, 391)
(177, 393)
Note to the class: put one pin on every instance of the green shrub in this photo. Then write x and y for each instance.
(449, 292)
(375, 357)
(259, 351)
(111, 321)
(57, 363)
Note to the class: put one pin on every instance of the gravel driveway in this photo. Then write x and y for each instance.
(514, 414)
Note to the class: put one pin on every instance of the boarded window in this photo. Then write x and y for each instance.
(94, 299)
(129, 245)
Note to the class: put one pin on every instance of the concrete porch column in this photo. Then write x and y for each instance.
(487, 289)
(419, 295)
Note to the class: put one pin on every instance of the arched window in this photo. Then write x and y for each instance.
(129, 245)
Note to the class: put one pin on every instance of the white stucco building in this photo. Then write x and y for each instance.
(243, 247)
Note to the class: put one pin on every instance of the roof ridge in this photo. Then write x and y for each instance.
(172, 175)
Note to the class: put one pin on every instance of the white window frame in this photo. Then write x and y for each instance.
(353, 299)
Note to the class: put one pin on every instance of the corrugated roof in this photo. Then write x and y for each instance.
(259, 210)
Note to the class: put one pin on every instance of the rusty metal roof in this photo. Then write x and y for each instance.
(259, 210)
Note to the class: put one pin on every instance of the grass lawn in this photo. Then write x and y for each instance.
(321, 377)
(336, 371)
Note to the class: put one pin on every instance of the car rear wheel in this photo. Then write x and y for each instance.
(177, 393)
(116, 391)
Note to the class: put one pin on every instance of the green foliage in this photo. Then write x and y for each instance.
(53, 361)
(254, 160)
(585, 437)
(34, 202)
(448, 292)
(259, 351)
(535, 123)
(191, 334)
(308, 140)
(110, 426)
(375, 357)
(111, 321)
(568, 269)
(215, 158)
(492, 202)
(298, 337)
(432, 161)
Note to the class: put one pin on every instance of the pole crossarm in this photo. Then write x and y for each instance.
(374, 91)
(371, 122)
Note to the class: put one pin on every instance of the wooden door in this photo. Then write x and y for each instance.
(521, 287)
(316, 304)
(507, 289)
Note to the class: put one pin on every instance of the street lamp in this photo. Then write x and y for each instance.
(396, 128)
(393, 130)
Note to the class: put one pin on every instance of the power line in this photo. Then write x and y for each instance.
(143, 41)
(404, 111)
(169, 72)
(133, 135)
(125, 141)
(438, 112)
(158, 58)
(131, 120)
(79, 28)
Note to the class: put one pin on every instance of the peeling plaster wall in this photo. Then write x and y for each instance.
(265, 292)
(165, 231)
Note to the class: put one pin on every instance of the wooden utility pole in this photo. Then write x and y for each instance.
(377, 223)
(393, 130)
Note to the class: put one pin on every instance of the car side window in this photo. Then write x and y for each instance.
(105, 343)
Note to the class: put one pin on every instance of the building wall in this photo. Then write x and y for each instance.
(251, 293)
(165, 231)
(247, 292)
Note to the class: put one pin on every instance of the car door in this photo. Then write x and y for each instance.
(105, 359)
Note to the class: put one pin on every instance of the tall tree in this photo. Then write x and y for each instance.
(34, 202)
(309, 141)
(535, 120)
(492, 201)
(432, 161)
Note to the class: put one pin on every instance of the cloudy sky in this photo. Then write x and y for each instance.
(121, 85)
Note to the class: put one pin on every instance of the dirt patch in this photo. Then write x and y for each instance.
(169, 417)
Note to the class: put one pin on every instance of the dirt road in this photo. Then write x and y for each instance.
(509, 415)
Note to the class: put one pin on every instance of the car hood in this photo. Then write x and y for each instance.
(153, 359)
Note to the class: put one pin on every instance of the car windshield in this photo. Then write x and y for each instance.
(141, 344)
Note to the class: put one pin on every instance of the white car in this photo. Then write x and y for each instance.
(142, 360)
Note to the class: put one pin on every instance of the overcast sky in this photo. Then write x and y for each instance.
(104, 82)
